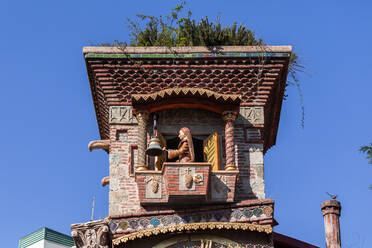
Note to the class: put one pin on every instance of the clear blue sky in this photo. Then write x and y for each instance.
(47, 116)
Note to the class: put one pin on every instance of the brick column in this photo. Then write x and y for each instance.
(229, 118)
(331, 212)
(142, 117)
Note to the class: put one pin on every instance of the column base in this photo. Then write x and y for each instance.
(230, 167)
(141, 167)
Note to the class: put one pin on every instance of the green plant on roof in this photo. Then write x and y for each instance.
(179, 29)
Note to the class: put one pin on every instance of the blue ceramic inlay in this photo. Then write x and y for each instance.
(133, 224)
(155, 222)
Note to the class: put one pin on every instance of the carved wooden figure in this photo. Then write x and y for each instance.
(185, 151)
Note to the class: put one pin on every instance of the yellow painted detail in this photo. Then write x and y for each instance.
(211, 151)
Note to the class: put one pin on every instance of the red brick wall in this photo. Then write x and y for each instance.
(124, 197)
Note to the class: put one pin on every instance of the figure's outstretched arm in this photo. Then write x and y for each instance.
(176, 153)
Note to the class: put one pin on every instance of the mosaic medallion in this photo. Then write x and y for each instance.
(166, 220)
(113, 226)
(268, 211)
(144, 222)
(237, 214)
(257, 212)
(155, 222)
(248, 213)
(177, 219)
(133, 224)
(123, 225)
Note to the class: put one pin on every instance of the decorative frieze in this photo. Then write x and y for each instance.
(264, 243)
(122, 115)
(255, 214)
(251, 116)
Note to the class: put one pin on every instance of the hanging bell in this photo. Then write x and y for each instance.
(154, 148)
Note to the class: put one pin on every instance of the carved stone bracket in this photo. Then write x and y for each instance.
(99, 144)
(94, 234)
(105, 181)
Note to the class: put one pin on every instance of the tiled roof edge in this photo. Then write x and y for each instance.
(32, 238)
(58, 237)
(45, 234)
(183, 50)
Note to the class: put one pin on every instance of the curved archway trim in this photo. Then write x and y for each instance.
(192, 227)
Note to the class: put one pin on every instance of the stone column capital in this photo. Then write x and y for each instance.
(229, 115)
(91, 234)
(142, 115)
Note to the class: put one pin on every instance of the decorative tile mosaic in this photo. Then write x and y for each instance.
(177, 220)
(144, 222)
(166, 220)
(133, 224)
(239, 214)
(113, 225)
(248, 213)
(155, 222)
(123, 225)
(257, 212)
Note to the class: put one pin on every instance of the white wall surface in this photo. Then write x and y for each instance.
(39, 244)
(48, 244)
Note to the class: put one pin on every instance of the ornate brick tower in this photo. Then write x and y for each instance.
(206, 186)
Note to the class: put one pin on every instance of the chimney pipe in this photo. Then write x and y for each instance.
(331, 212)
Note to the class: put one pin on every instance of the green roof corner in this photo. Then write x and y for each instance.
(47, 234)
